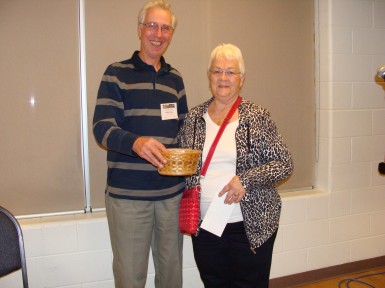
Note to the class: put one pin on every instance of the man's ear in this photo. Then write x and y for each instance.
(139, 32)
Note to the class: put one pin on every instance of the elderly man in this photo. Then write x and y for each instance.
(140, 106)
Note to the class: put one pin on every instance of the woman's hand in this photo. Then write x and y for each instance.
(234, 190)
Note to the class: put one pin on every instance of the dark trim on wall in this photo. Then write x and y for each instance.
(326, 273)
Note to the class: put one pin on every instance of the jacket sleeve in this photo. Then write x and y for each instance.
(274, 161)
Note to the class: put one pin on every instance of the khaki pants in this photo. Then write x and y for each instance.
(135, 226)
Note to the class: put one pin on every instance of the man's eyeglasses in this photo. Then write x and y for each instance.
(154, 27)
(219, 72)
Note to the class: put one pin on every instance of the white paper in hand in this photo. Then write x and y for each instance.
(217, 216)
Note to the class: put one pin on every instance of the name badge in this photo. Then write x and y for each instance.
(169, 111)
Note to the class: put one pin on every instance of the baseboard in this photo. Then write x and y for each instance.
(326, 273)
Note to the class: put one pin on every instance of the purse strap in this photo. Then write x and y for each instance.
(219, 134)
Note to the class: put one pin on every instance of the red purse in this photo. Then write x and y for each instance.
(189, 209)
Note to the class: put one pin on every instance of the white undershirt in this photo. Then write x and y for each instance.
(222, 167)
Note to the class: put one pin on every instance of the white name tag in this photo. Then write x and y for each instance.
(169, 111)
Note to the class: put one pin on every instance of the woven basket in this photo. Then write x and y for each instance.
(180, 162)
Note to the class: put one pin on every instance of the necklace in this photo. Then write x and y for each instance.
(219, 115)
(218, 119)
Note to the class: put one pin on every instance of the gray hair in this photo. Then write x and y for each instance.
(160, 4)
(229, 52)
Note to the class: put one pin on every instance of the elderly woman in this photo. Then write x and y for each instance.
(248, 161)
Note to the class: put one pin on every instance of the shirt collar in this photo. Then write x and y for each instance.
(140, 65)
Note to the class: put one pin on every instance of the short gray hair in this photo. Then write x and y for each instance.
(160, 4)
(228, 51)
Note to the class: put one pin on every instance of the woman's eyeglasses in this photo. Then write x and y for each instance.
(219, 72)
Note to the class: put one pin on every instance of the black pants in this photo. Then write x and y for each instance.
(228, 262)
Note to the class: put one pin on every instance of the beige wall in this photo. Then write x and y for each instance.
(48, 145)
(276, 39)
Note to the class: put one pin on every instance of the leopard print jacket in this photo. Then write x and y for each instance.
(263, 160)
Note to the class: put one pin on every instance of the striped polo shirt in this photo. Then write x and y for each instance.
(128, 106)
